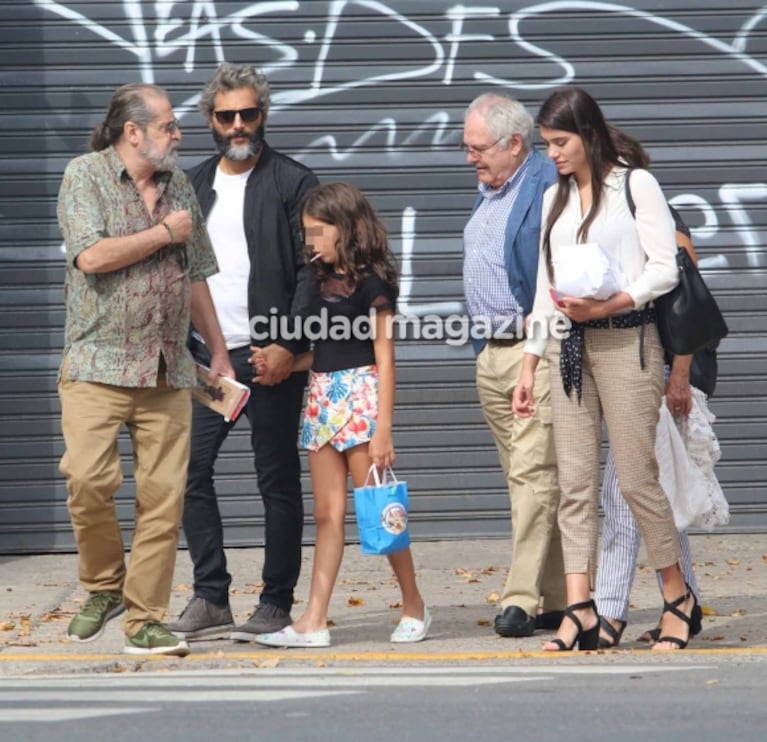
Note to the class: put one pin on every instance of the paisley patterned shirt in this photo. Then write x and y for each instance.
(118, 323)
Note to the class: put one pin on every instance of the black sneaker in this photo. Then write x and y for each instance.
(202, 619)
(266, 619)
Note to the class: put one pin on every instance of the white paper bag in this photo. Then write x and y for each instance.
(587, 271)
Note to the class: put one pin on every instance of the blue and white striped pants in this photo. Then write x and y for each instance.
(620, 546)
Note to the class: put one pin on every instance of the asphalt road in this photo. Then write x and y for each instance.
(701, 700)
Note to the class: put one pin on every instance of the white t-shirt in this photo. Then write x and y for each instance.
(229, 287)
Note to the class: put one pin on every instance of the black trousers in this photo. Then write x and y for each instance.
(274, 415)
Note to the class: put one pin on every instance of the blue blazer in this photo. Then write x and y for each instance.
(523, 231)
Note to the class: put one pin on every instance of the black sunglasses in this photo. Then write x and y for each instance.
(247, 115)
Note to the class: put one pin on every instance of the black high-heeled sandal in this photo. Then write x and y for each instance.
(693, 620)
(614, 634)
(588, 639)
(696, 626)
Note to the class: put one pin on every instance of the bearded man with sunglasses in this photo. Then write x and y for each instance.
(499, 276)
(251, 197)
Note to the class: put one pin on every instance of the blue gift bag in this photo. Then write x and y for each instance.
(381, 509)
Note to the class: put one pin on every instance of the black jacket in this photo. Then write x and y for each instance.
(280, 279)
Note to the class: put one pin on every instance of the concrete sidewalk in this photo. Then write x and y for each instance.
(460, 581)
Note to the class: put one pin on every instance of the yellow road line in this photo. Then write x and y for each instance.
(373, 656)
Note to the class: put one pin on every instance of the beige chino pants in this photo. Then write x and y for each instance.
(526, 452)
(158, 420)
(614, 386)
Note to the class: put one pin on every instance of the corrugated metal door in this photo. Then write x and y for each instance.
(374, 92)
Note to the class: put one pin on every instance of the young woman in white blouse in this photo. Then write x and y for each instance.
(611, 363)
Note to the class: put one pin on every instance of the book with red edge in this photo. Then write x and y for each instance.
(226, 396)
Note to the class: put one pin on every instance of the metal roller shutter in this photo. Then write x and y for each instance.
(374, 93)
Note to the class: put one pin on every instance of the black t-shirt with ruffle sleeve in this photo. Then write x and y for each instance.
(348, 324)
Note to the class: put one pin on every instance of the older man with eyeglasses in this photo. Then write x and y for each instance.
(499, 275)
(137, 256)
(251, 196)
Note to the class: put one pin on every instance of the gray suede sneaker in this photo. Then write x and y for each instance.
(266, 619)
(202, 619)
(89, 624)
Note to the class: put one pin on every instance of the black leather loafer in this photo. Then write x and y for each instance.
(514, 622)
(549, 620)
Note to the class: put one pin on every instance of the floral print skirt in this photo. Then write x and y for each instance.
(341, 408)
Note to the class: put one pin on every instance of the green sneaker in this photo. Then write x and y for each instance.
(154, 638)
(90, 622)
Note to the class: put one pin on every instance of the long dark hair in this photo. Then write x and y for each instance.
(629, 149)
(362, 242)
(574, 110)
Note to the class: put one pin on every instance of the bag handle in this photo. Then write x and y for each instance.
(388, 476)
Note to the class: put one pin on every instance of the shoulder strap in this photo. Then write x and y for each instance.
(627, 189)
(679, 223)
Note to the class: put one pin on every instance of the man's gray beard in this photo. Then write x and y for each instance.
(165, 162)
(240, 152)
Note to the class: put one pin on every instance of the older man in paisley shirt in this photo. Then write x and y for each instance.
(137, 256)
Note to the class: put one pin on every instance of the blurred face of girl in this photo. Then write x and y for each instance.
(566, 150)
(322, 238)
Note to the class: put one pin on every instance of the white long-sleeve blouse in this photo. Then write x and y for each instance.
(645, 246)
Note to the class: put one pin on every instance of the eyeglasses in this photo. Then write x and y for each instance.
(480, 150)
(247, 115)
(170, 127)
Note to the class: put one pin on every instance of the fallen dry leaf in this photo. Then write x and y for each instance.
(330, 623)
(7, 626)
(706, 611)
(483, 622)
(398, 604)
(26, 626)
(764, 558)
(712, 682)
(53, 616)
(712, 638)
(734, 562)
(271, 662)
(492, 598)
(354, 601)
(182, 588)
(738, 612)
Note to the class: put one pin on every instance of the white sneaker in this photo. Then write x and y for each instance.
(289, 637)
(411, 629)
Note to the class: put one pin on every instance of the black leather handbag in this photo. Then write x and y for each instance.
(688, 317)
(704, 370)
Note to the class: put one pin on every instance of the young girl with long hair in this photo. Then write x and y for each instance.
(349, 409)
(610, 365)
